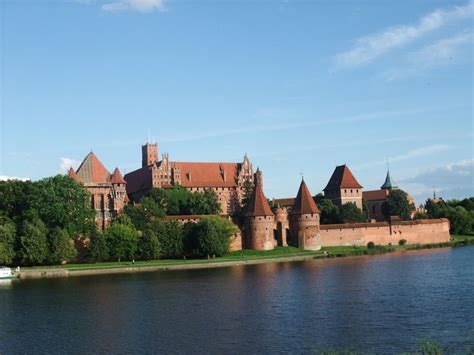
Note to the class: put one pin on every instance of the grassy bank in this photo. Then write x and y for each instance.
(278, 254)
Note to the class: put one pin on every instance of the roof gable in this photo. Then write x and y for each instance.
(304, 202)
(342, 178)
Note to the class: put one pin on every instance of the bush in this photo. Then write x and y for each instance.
(370, 245)
(402, 242)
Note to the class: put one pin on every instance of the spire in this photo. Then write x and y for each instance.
(342, 178)
(116, 177)
(72, 174)
(92, 170)
(389, 184)
(304, 202)
(258, 203)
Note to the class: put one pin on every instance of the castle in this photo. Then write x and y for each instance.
(294, 221)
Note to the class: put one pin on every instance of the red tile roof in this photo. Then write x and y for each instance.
(116, 177)
(284, 202)
(304, 203)
(258, 204)
(375, 195)
(342, 178)
(72, 174)
(207, 174)
(92, 170)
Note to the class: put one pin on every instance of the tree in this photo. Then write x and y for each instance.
(329, 211)
(121, 240)
(202, 203)
(397, 204)
(98, 249)
(61, 247)
(350, 213)
(213, 236)
(460, 220)
(149, 244)
(171, 239)
(33, 242)
(7, 241)
(247, 188)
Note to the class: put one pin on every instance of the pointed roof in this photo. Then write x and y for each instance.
(342, 178)
(304, 202)
(258, 204)
(92, 170)
(389, 184)
(116, 177)
(72, 174)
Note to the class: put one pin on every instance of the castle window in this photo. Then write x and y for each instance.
(357, 190)
(351, 190)
(345, 191)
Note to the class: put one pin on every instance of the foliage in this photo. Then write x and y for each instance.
(397, 204)
(459, 213)
(329, 211)
(402, 242)
(213, 236)
(350, 213)
(61, 247)
(370, 245)
(98, 249)
(121, 240)
(171, 238)
(247, 188)
(33, 247)
(7, 241)
(149, 247)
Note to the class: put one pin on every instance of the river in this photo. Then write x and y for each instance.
(380, 304)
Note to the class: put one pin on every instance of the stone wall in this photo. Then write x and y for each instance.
(423, 231)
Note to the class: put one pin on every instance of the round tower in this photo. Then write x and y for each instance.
(259, 219)
(304, 221)
(282, 225)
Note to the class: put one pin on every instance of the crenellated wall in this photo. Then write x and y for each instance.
(423, 231)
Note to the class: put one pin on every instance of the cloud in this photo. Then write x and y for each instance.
(143, 6)
(453, 180)
(414, 153)
(368, 48)
(6, 178)
(66, 163)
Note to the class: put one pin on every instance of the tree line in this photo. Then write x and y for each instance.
(459, 212)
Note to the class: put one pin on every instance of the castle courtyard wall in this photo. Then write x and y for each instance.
(423, 231)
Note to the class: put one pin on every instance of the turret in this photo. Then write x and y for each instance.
(149, 154)
(282, 225)
(259, 219)
(304, 221)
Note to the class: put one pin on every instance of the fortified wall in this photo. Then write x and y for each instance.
(422, 231)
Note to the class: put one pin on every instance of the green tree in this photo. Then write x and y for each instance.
(247, 188)
(171, 239)
(329, 211)
(98, 249)
(350, 213)
(213, 236)
(7, 241)
(33, 242)
(460, 220)
(149, 244)
(203, 203)
(397, 204)
(122, 240)
(61, 247)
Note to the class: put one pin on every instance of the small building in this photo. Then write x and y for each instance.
(107, 191)
(343, 187)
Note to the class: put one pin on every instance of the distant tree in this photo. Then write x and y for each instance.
(397, 204)
(171, 239)
(350, 213)
(247, 188)
(61, 247)
(7, 241)
(329, 211)
(178, 201)
(33, 242)
(121, 240)
(460, 220)
(149, 244)
(203, 203)
(213, 236)
(98, 249)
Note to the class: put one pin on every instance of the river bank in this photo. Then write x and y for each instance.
(244, 257)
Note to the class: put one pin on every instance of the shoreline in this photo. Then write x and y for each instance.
(196, 264)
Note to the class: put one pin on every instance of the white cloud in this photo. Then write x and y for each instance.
(66, 163)
(368, 48)
(6, 178)
(143, 6)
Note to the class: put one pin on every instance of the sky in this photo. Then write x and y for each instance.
(301, 86)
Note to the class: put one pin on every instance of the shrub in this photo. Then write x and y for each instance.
(370, 245)
(402, 242)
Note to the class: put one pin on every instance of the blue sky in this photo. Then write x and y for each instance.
(301, 86)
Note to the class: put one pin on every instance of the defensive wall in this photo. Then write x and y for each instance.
(422, 231)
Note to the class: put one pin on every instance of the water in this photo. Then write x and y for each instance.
(379, 304)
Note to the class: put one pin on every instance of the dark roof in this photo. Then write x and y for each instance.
(389, 183)
(284, 202)
(342, 178)
(258, 204)
(304, 202)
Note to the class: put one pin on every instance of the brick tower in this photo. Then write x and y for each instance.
(304, 221)
(149, 154)
(259, 219)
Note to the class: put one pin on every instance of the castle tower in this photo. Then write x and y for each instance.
(343, 187)
(118, 192)
(282, 225)
(304, 221)
(149, 154)
(259, 219)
